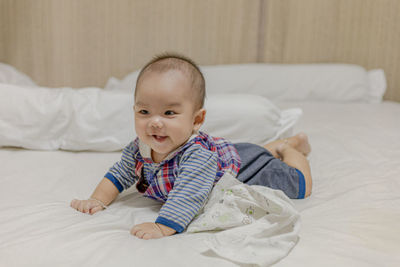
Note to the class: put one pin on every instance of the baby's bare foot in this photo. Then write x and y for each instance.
(282, 147)
(300, 143)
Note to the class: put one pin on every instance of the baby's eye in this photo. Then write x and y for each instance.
(143, 111)
(169, 112)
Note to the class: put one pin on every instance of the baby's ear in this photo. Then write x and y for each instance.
(199, 119)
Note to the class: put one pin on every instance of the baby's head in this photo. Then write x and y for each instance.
(169, 98)
(175, 62)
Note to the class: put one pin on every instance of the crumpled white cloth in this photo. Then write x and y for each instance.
(257, 225)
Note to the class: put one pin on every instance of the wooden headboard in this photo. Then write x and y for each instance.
(84, 42)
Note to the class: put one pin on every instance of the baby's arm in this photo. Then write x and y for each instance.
(191, 189)
(103, 195)
(120, 177)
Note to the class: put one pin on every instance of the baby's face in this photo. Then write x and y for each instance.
(165, 115)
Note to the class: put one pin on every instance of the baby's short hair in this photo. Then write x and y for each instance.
(172, 61)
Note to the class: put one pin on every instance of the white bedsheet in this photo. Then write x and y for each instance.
(351, 218)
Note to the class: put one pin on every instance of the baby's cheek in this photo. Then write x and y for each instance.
(140, 127)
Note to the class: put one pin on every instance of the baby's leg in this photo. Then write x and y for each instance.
(298, 142)
(296, 159)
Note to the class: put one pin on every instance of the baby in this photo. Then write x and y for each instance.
(173, 162)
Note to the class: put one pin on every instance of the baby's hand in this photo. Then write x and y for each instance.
(151, 230)
(90, 206)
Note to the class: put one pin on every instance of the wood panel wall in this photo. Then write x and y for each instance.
(363, 32)
(84, 42)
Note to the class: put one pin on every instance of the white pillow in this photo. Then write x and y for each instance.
(99, 120)
(65, 118)
(247, 118)
(298, 82)
(9, 74)
(288, 82)
(127, 83)
(377, 85)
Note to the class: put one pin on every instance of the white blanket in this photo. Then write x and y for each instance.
(260, 224)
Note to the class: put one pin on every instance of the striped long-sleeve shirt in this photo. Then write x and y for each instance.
(183, 180)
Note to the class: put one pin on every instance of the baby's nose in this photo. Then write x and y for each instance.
(156, 122)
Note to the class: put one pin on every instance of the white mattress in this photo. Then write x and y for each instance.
(351, 218)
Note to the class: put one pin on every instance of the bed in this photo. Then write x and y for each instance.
(350, 219)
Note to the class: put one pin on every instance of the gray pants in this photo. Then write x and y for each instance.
(259, 167)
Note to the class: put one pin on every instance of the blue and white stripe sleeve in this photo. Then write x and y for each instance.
(122, 173)
(192, 187)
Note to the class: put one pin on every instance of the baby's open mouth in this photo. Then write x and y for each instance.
(159, 138)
